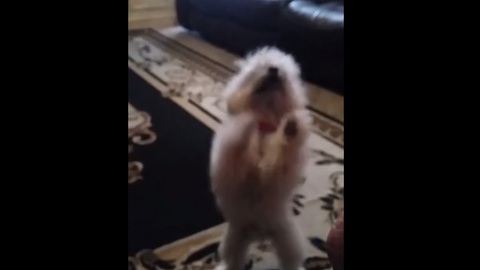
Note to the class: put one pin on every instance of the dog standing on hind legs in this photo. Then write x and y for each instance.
(258, 156)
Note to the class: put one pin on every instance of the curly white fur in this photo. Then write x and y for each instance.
(254, 175)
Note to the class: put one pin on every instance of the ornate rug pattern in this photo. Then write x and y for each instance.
(139, 134)
(189, 74)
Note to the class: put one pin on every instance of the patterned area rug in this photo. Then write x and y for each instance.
(168, 193)
(183, 72)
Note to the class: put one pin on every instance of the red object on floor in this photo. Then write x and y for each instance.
(335, 244)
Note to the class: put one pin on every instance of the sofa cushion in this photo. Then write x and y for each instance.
(214, 8)
(262, 15)
(230, 35)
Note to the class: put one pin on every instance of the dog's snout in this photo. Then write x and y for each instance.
(273, 72)
(271, 81)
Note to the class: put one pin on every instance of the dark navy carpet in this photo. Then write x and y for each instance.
(173, 200)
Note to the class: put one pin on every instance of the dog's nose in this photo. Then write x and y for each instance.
(272, 72)
(270, 81)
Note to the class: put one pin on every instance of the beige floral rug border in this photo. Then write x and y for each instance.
(139, 134)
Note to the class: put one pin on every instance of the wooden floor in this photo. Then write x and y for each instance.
(151, 14)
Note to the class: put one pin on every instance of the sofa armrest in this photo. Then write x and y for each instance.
(313, 16)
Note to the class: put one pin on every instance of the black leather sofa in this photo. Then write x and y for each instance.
(311, 30)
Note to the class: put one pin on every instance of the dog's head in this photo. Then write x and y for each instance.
(268, 81)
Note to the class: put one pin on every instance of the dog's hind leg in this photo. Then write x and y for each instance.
(287, 240)
(233, 249)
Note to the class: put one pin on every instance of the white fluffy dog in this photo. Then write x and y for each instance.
(258, 156)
